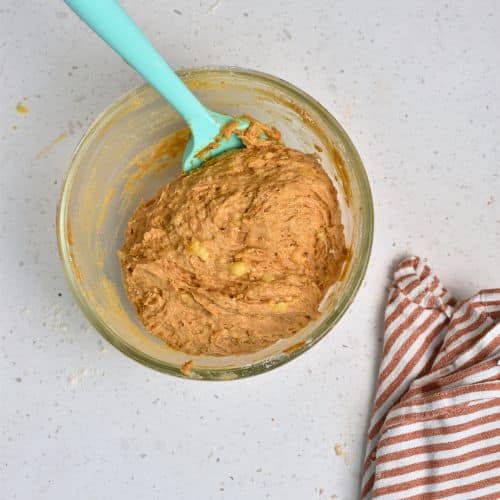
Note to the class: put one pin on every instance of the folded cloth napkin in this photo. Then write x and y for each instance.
(435, 425)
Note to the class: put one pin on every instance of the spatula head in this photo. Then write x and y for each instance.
(207, 140)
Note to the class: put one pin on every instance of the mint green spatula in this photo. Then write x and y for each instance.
(108, 19)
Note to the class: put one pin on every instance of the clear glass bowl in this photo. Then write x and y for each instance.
(117, 164)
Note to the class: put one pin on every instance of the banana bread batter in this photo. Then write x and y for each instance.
(237, 254)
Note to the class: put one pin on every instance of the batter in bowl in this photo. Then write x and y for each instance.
(238, 254)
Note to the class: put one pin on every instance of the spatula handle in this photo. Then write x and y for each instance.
(110, 21)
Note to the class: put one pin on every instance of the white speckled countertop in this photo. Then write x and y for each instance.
(417, 86)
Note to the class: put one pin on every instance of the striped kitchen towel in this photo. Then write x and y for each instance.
(435, 425)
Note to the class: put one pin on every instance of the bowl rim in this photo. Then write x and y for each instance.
(213, 373)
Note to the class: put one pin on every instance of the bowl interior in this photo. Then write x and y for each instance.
(136, 146)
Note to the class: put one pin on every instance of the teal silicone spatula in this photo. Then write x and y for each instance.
(108, 19)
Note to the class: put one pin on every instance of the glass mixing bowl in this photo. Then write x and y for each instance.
(132, 149)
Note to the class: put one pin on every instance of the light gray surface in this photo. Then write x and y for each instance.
(416, 84)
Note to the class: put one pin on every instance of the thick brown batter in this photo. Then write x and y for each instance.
(237, 254)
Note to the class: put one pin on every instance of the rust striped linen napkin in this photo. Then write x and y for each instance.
(435, 424)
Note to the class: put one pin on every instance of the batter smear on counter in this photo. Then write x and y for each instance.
(237, 254)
